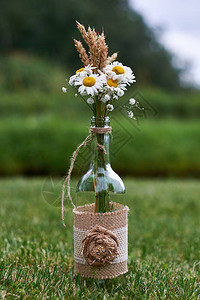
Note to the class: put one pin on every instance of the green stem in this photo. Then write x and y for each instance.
(97, 158)
(101, 193)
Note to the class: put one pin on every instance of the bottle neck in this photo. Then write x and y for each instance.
(100, 142)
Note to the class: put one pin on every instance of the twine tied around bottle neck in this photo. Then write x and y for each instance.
(100, 130)
(88, 139)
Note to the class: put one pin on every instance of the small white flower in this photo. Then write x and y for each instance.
(105, 98)
(120, 93)
(132, 101)
(130, 114)
(115, 97)
(64, 89)
(109, 107)
(76, 95)
(90, 100)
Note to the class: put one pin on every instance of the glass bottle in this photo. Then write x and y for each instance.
(100, 184)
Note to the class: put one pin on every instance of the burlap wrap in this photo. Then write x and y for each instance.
(117, 221)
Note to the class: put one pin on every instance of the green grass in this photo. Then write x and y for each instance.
(164, 241)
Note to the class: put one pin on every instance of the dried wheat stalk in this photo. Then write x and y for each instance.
(82, 53)
(83, 32)
(92, 43)
(93, 47)
(98, 48)
(103, 49)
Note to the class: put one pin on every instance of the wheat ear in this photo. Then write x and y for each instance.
(82, 31)
(93, 47)
(103, 51)
(82, 53)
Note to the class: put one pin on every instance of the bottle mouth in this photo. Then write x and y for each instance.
(100, 122)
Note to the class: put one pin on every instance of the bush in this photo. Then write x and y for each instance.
(20, 71)
(45, 145)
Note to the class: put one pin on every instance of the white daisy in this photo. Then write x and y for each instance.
(132, 101)
(114, 88)
(81, 72)
(115, 85)
(89, 85)
(116, 70)
(110, 107)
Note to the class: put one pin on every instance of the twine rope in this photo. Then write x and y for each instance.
(88, 139)
(100, 130)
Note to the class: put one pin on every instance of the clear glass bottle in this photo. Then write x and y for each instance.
(100, 185)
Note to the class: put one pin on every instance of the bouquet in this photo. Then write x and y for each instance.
(102, 80)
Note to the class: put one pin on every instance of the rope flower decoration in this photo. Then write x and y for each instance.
(100, 246)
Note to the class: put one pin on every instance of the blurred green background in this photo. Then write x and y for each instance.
(40, 126)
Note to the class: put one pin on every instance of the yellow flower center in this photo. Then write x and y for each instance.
(80, 70)
(118, 70)
(112, 82)
(89, 81)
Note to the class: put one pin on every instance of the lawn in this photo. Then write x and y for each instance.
(164, 240)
